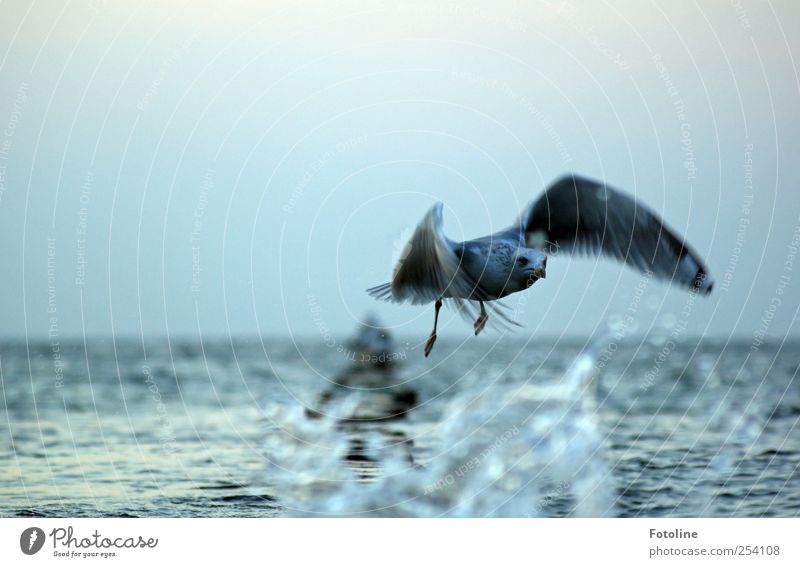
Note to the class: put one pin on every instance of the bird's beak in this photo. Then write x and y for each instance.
(539, 273)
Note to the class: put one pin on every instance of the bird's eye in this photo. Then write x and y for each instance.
(522, 261)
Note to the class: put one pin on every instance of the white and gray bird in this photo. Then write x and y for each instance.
(573, 215)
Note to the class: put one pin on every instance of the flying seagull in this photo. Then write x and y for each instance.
(573, 215)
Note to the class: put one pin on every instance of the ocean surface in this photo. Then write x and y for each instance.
(495, 427)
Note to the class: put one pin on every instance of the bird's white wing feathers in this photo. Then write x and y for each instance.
(429, 269)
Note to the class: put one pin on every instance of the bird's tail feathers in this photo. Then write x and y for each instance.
(382, 292)
(499, 315)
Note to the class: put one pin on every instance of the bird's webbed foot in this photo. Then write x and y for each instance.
(480, 322)
(432, 337)
(429, 344)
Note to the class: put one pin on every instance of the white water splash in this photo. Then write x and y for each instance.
(511, 448)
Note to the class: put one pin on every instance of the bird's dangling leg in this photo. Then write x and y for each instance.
(480, 322)
(432, 338)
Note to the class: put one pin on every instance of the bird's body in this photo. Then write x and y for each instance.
(495, 263)
(573, 215)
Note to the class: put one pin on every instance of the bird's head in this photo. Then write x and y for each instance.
(530, 264)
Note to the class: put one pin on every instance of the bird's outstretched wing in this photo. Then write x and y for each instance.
(429, 269)
(579, 215)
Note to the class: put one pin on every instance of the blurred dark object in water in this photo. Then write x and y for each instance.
(370, 376)
(373, 347)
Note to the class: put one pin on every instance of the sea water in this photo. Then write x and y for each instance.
(499, 428)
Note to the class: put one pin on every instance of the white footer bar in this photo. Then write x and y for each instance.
(401, 542)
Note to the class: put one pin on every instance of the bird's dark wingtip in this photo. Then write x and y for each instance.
(703, 283)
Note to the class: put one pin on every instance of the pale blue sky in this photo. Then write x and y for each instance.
(239, 167)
